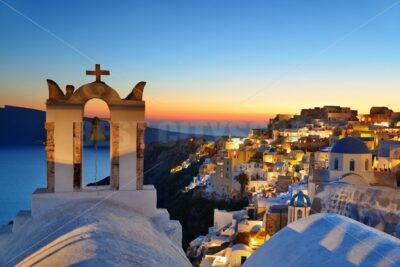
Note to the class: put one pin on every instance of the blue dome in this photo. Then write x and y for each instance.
(272, 149)
(350, 145)
(300, 200)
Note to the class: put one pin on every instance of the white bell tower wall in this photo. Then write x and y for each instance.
(63, 118)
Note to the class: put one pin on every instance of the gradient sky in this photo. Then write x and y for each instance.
(207, 60)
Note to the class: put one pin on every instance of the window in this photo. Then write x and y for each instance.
(366, 164)
(299, 214)
(352, 165)
(242, 260)
(336, 167)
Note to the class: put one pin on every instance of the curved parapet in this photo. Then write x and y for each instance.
(353, 178)
(70, 91)
(94, 90)
(137, 92)
(55, 92)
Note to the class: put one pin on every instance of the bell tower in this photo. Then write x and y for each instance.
(299, 207)
(64, 118)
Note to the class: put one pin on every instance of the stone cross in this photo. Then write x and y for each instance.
(98, 72)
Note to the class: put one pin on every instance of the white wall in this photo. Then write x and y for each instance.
(127, 120)
(246, 225)
(143, 201)
(293, 213)
(236, 256)
(221, 219)
(63, 117)
(344, 164)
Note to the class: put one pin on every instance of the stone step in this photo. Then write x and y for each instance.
(174, 232)
(22, 217)
(161, 219)
(171, 228)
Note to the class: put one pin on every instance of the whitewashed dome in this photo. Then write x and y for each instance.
(87, 232)
(329, 240)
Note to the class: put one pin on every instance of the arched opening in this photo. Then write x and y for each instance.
(352, 165)
(366, 164)
(96, 143)
(336, 164)
(242, 260)
(299, 214)
(398, 178)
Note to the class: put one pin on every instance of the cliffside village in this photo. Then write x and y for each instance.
(326, 159)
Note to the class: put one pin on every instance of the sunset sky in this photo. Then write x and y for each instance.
(207, 60)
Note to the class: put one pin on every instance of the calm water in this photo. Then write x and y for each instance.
(23, 169)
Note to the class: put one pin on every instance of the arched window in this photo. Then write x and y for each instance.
(299, 214)
(352, 165)
(366, 164)
(336, 165)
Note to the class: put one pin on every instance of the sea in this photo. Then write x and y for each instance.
(23, 169)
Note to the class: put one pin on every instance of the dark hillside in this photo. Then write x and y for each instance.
(25, 126)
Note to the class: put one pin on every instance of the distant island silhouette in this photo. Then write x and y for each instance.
(25, 126)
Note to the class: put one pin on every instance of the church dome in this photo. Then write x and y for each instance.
(300, 200)
(312, 242)
(350, 145)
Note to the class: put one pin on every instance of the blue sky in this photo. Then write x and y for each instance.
(258, 57)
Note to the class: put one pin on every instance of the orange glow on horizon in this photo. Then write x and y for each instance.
(206, 116)
(96, 108)
(99, 108)
(180, 110)
(198, 111)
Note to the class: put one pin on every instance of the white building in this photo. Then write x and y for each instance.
(389, 155)
(351, 161)
(234, 143)
(239, 253)
(299, 207)
(254, 170)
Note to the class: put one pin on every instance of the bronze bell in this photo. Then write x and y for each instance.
(96, 134)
